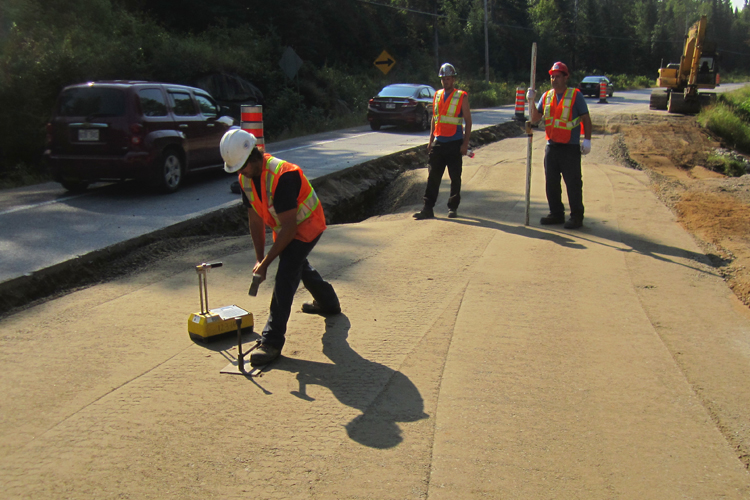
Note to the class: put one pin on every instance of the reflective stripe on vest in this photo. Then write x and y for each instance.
(557, 116)
(273, 169)
(448, 115)
(274, 166)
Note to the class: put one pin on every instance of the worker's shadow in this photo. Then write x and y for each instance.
(385, 396)
(525, 231)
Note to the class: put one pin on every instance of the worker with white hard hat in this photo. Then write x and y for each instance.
(565, 114)
(449, 142)
(278, 195)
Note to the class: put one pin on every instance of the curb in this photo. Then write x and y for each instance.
(348, 196)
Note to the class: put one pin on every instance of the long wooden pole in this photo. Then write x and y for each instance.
(530, 133)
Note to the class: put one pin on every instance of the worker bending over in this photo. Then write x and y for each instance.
(278, 195)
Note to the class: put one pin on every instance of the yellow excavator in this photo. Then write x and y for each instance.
(679, 84)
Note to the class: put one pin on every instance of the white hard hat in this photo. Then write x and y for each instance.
(235, 147)
(447, 69)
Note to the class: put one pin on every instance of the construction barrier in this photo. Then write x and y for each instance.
(251, 118)
(602, 92)
(520, 105)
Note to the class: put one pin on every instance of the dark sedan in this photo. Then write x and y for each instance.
(401, 104)
(590, 86)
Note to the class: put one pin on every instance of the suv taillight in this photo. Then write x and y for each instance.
(136, 134)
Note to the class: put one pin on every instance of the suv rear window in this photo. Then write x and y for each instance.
(182, 104)
(92, 101)
(207, 107)
(153, 102)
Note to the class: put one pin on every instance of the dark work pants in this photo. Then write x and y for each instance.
(293, 267)
(565, 160)
(444, 154)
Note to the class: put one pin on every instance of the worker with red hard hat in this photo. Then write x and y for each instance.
(565, 117)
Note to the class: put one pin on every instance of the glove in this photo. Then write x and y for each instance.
(530, 95)
(586, 146)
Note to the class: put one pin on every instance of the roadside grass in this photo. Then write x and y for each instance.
(483, 94)
(20, 175)
(621, 82)
(727, 165)
(734, 77)
(729, 119)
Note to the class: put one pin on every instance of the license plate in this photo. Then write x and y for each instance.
(390, 106)
(88, 134)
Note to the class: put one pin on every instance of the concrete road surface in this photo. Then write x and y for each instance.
(476, 358)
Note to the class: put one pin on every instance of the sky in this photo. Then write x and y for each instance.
(738, 4)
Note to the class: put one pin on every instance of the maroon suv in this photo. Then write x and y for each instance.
(115, 130)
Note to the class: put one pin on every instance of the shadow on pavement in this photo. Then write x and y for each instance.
(634, 243)
(385, 396)
(525, 231)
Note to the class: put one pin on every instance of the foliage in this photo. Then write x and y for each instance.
(727, 165)
(723, 121)
(484, 94)
(47, 44)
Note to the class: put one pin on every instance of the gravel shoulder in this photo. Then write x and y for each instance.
(714, 208)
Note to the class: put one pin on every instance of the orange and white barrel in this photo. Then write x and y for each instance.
(602, 91)
(520, 104)
(251, 117)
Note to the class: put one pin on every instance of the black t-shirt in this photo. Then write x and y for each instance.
(287, 191)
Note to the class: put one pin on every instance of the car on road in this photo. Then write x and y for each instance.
(589, 86)
(404, 104)
(153, 132)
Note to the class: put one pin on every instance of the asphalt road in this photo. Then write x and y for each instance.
(44, 225)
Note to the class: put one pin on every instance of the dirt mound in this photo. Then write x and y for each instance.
(714, 208)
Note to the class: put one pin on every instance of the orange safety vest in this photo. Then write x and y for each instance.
(446, 112)
(311, 221)
(557, 116)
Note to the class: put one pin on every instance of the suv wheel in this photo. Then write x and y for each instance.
(375, 126)
(171, 171)
(74, 186)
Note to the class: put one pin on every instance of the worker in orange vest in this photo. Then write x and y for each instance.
(449, 142)
(278, 195)
(565, 114)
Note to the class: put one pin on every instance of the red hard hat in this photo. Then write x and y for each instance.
(561, 67)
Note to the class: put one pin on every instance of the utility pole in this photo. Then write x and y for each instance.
(575, 35)
(435, 25)
(486, 46)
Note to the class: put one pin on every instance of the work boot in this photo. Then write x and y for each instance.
(574, 223)
(550, 219)
(314, 308)
(425, 213)
(452, 214)
(263, 355)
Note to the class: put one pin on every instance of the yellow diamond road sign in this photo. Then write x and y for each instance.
(384, 62)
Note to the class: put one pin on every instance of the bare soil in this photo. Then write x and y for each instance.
(714, 208)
